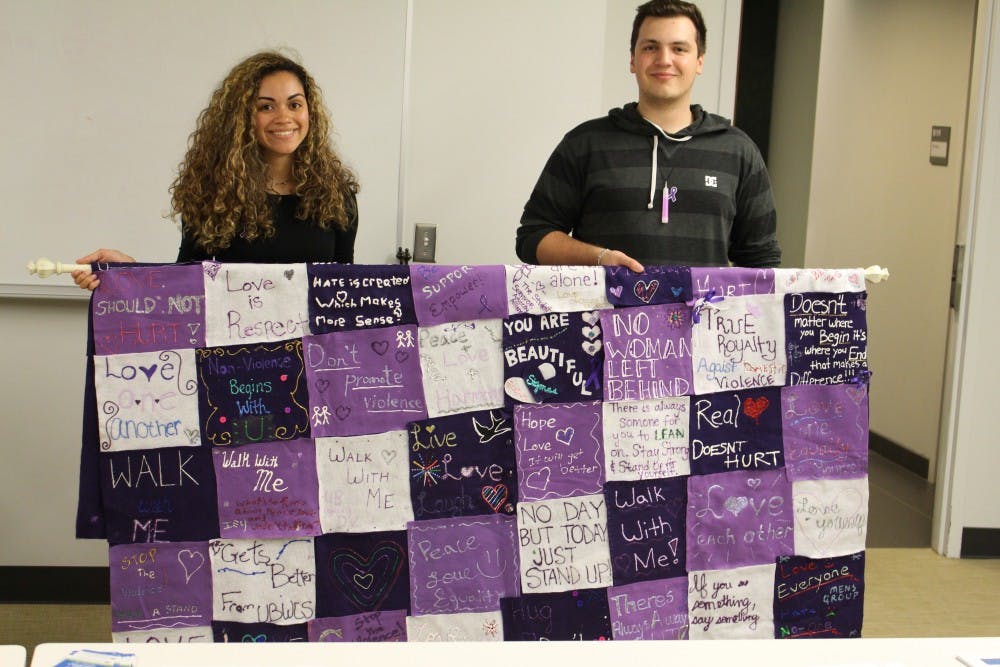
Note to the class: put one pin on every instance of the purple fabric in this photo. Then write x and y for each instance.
(825, 431)
(252, 393)
(268, 490)
(462, 465)
(454, 293)
(146, 308)
(344, 297)
(559, 452)
(465, 564)
(90, 520)
(647, 352)
(650, 609)
(556, 357)
(159, 495)
(571, 616)
(646, 531)
(738, 518)
(826, 337)
(161, 585)
(738, 430)
(257, 633)
(361, 572)
(819, 598)
(656, 285)
(731, 281)
(363, 382)
(376, 626)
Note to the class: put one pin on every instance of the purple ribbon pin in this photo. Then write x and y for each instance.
(698, 305)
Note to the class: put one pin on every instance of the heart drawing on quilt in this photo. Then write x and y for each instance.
(591, 347)
(857, 393)
(367, 580)
(755, 407)
(495, 496)
(518, 389)
(616, 291)
(592, 317)
(191, 562)
(644, 290)
(736, 504)
(380, 347)
(539, 479)
(565, 435)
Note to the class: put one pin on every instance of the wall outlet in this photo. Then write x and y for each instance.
(424, 242)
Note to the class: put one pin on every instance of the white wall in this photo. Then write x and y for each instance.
(888, 71)
(494, 86)
(971, 457)
(108, 92)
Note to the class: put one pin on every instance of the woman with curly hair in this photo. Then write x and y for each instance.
(260, 181)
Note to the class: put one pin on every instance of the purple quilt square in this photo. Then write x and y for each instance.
(572, 616)
(361, 572)
(140, 309)
(559, 451)
(444, 293)
(376, 626)
(363, 382)
(738, 518)
(463, 465)
(819, 598)
(826, 336)
(343, 297)
(465, 564)
(257, 633)
(161, 585)
(268, 490)
(552, 358)
(647, 352)
(738, 430)
(730, 281)
(655, 285)
(646, 531)
(252, 393)
(826, 431)
(650, 609)
(161, 495)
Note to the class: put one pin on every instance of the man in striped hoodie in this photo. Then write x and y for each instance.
(660, 181)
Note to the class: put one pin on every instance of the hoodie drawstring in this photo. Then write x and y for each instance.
(667, 191)
(652, 175)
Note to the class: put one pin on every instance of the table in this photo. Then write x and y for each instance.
(924, 652)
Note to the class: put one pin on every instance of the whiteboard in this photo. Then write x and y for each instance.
(103, 94)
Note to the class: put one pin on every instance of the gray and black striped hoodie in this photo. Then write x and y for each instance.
(606, 182)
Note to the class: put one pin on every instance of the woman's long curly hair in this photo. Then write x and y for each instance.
(221, 187)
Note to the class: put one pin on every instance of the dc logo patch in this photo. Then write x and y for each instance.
(711, 181)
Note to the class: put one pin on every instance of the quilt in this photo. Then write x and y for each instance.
(324, 452)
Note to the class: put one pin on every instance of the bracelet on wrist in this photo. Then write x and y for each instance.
(601, 255)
